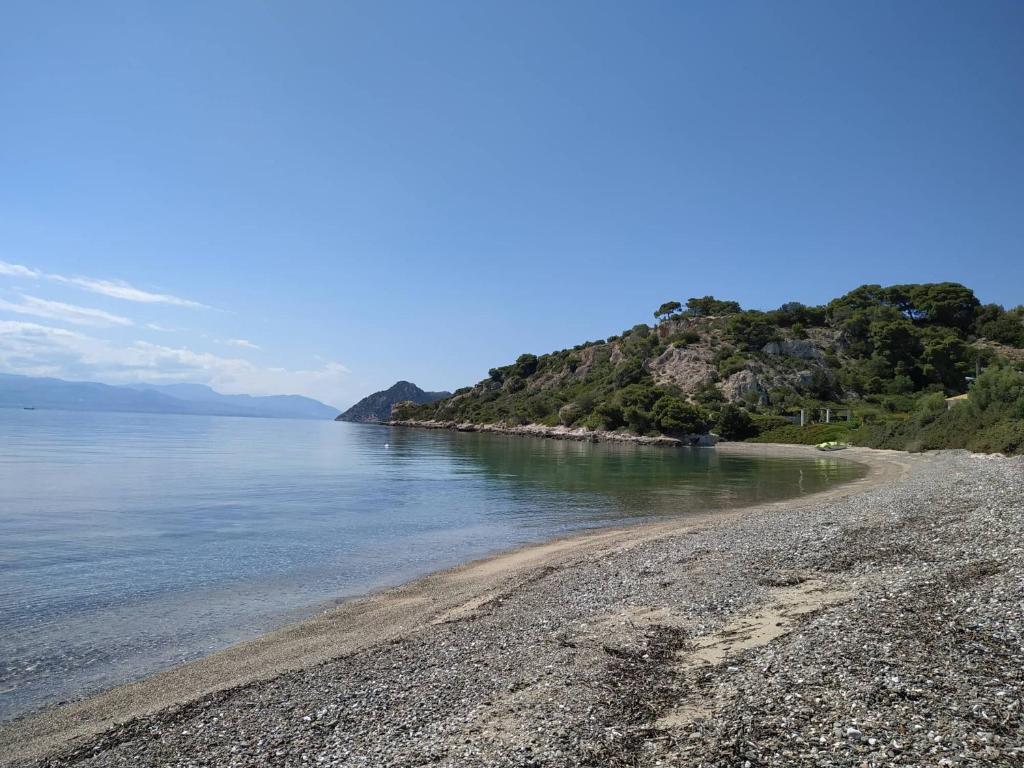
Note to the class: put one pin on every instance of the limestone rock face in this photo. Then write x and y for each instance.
(741, 384)
(801, 348)
(689, 368)
(805, 378)
(587, 360)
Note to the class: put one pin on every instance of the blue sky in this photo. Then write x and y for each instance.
(325, 197)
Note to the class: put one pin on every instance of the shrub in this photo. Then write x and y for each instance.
(1003, 437)
(793, 313)
(762, 424)
(672, 415)
(586, 401)
(730, 365)
(752, 330)
(930, 407)
(539, 409)
(568, 414)
(683, 338)
(999, 391)
(822, 385)
(991, 420)
(526, 365)
(637, 419)
(610, 415)
(630, 372)
(812, 434)
(709, 396)
(734, 423)
(403, 410)
(1007, 328)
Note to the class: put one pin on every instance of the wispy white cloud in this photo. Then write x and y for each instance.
(36, 349)
(117, 289)
(58, 310)
(17, 270)
(242, 343)
(158, 327)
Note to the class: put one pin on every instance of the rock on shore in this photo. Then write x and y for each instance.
(557, 433)
(884, 628)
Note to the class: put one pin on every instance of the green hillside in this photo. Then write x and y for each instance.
(887, 357)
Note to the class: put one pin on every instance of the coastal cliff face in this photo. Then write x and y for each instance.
(376, 408)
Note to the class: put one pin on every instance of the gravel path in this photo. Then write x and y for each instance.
(885, 628)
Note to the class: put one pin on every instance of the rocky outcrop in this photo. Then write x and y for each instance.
(742, 385)
(559, 433)
(689, 368)
(801, 348)
(758, 378)
(376, 408)
(588, 357)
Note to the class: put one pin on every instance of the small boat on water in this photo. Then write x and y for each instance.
(28, 407)
(832, 445)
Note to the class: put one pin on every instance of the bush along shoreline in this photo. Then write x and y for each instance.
(884, 359)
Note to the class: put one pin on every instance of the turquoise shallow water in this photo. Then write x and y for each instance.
(131, 542)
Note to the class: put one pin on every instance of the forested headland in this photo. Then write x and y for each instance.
(879, 363)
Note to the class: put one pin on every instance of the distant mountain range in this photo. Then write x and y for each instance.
(32, 392)
(377, 407)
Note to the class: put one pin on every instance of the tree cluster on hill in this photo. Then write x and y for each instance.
(710, 364)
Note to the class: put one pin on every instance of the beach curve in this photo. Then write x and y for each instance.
(386, 615)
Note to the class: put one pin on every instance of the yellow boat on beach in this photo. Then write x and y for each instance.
(832, 445)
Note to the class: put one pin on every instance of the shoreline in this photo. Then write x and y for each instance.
(578, 434)
(387, 615)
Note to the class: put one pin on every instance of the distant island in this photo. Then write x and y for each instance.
(881, 366)
(376, 408)
(30, 392)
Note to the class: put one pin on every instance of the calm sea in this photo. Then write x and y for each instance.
(130, 542)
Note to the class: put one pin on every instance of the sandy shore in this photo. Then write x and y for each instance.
(617, 647)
